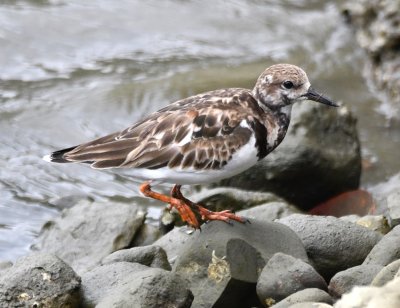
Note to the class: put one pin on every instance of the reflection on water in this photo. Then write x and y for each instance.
(73, 70)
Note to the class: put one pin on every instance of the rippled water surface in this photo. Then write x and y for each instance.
(73, 70)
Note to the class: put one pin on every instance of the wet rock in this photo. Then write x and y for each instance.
(284, 275)
(378, 32)
(318, 159)
(386, 296)
(124, 284)
(173, 242)
(152, 256)
(387, 250)
(386, 274)
(146, 235)
(39, 280)
(332, 244)
(344, 281)
(222, 198)
(269, 211)
(305, 296)
(88, 232)
(222, 262)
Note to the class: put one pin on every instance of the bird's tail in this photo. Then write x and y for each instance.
(58, 156)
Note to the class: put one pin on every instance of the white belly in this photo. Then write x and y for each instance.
(242, 160)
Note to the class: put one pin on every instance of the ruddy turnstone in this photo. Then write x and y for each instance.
(201, 139)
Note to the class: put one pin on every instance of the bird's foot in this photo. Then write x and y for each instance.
(226, 216)
(184, 210)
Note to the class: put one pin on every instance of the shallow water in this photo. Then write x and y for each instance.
(73, 70)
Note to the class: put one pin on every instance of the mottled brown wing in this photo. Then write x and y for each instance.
(202, 132)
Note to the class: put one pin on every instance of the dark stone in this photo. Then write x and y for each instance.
(387, 274)
(305, 296)
(124, 284)
(332, 244)
(318, 159)
(88, 232)
(344, 281)
(152, 256)
(284, 275)
(387, 250)
(39, 280)
(222, 262)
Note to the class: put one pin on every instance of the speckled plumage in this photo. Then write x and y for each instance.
(205, 137)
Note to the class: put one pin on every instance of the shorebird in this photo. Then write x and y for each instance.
(201, 139)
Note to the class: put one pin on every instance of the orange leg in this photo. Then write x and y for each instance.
(184, 209)
(204, 213)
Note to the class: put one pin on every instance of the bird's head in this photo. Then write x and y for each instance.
(282, 85)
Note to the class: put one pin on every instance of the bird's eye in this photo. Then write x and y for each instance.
(287, 84)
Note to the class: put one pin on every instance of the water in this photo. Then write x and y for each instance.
(73, 70)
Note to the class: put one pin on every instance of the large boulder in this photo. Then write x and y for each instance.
(332, 244)
(318, 159)
(89, 231)
(39, 280)
(125, 284)
(222, 262)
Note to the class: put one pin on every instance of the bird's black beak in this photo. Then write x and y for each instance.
(314, 96)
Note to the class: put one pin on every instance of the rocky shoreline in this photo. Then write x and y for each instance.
(108, 255)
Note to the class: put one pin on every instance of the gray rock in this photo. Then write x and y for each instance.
(152, 256)
(332, 245)
(386, 274)
(344, 281)
(387, 250)
(124, 284)
(284, 275)
(319, 158)
(88, 232)
(222, 262)
(269, 211)
(39, 280)
(386, 296)
(305, 296)
(146, 235)
(222, 198)
(173, 242)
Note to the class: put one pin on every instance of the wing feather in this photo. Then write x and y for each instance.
(202, 131)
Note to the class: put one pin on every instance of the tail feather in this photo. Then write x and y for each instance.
(58, 156)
